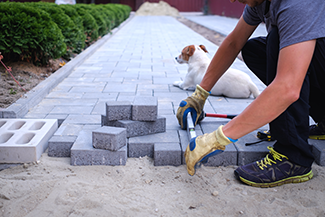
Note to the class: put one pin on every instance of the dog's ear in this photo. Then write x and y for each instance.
(203, 48)
(190, 50)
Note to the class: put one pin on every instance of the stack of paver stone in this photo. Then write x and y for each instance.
(108, 145)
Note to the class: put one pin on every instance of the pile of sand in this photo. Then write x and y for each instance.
(157, 9)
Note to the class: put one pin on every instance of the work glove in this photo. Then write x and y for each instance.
(193, 104)
(204, 146)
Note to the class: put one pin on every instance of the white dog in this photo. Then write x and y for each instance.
(233, 83)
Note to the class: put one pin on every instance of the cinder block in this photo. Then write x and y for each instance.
(24, 140)
(83, 153)
(141, 128)
(167, 154)
(118, 110)
(109, 138)
(318, 151)
(145, 108)
(251, 153)
(60, 146)
(144, 145)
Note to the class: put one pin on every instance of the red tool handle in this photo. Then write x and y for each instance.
(219, 115)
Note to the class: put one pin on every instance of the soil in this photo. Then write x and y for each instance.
(29, 75)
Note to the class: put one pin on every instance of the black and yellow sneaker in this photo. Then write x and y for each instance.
(273, 170)
(317, 131)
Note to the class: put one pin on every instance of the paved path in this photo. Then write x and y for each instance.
(137, 60)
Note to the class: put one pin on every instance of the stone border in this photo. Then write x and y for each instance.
(21, 107)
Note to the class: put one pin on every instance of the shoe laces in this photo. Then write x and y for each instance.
(268, 161)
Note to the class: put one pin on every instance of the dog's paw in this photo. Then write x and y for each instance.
(189, 88)
(178, 84)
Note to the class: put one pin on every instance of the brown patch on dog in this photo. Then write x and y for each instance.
(203, 48)
(185, 53)
(191, 50)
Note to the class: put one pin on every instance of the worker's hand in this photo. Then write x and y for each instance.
(204, 146)
(193, 104)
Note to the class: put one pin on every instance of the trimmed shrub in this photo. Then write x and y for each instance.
(100, 21)
(68, 28)
(39, 31)
(110, 16)
(89, 23)
(119, 15)
(29, 34)
(125, 10)
(70, 10)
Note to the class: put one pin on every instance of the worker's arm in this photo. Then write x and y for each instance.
(285, 89)
(227, 53)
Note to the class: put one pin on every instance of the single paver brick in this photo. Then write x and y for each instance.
(228, 156)
(141, 128)
(60, 146)
(144, 145)
(251, 153)
(145, 108)
(140, 149)
(167, 154)
(318, 151)
(83, 153)
(118, 110)
(109, 138)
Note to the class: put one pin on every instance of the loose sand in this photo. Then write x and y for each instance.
(157, 9)
(52, 187)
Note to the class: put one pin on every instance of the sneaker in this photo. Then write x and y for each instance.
(273, 170)
(317, 131)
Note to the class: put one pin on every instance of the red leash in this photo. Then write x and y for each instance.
(9, 70)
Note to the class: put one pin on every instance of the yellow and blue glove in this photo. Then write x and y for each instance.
(205, 146)
(193, 104)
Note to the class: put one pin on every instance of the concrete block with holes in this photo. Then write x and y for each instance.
(25, 140)
(109, 138)
(60, 146)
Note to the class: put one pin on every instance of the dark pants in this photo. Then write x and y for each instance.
(291, 128)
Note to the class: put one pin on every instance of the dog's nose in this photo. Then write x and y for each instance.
(175, 58)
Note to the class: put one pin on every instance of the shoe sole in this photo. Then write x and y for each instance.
(320, 137)
(295, 179)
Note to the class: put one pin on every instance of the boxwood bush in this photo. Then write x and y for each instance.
(68, 27)
(89, 23)
(100, 20)
(37, 32)
(71, 11)
(29, 34)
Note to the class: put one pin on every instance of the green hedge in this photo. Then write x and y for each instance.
(29, 34)
(37, 32)
(72, 35)
(78, 21)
